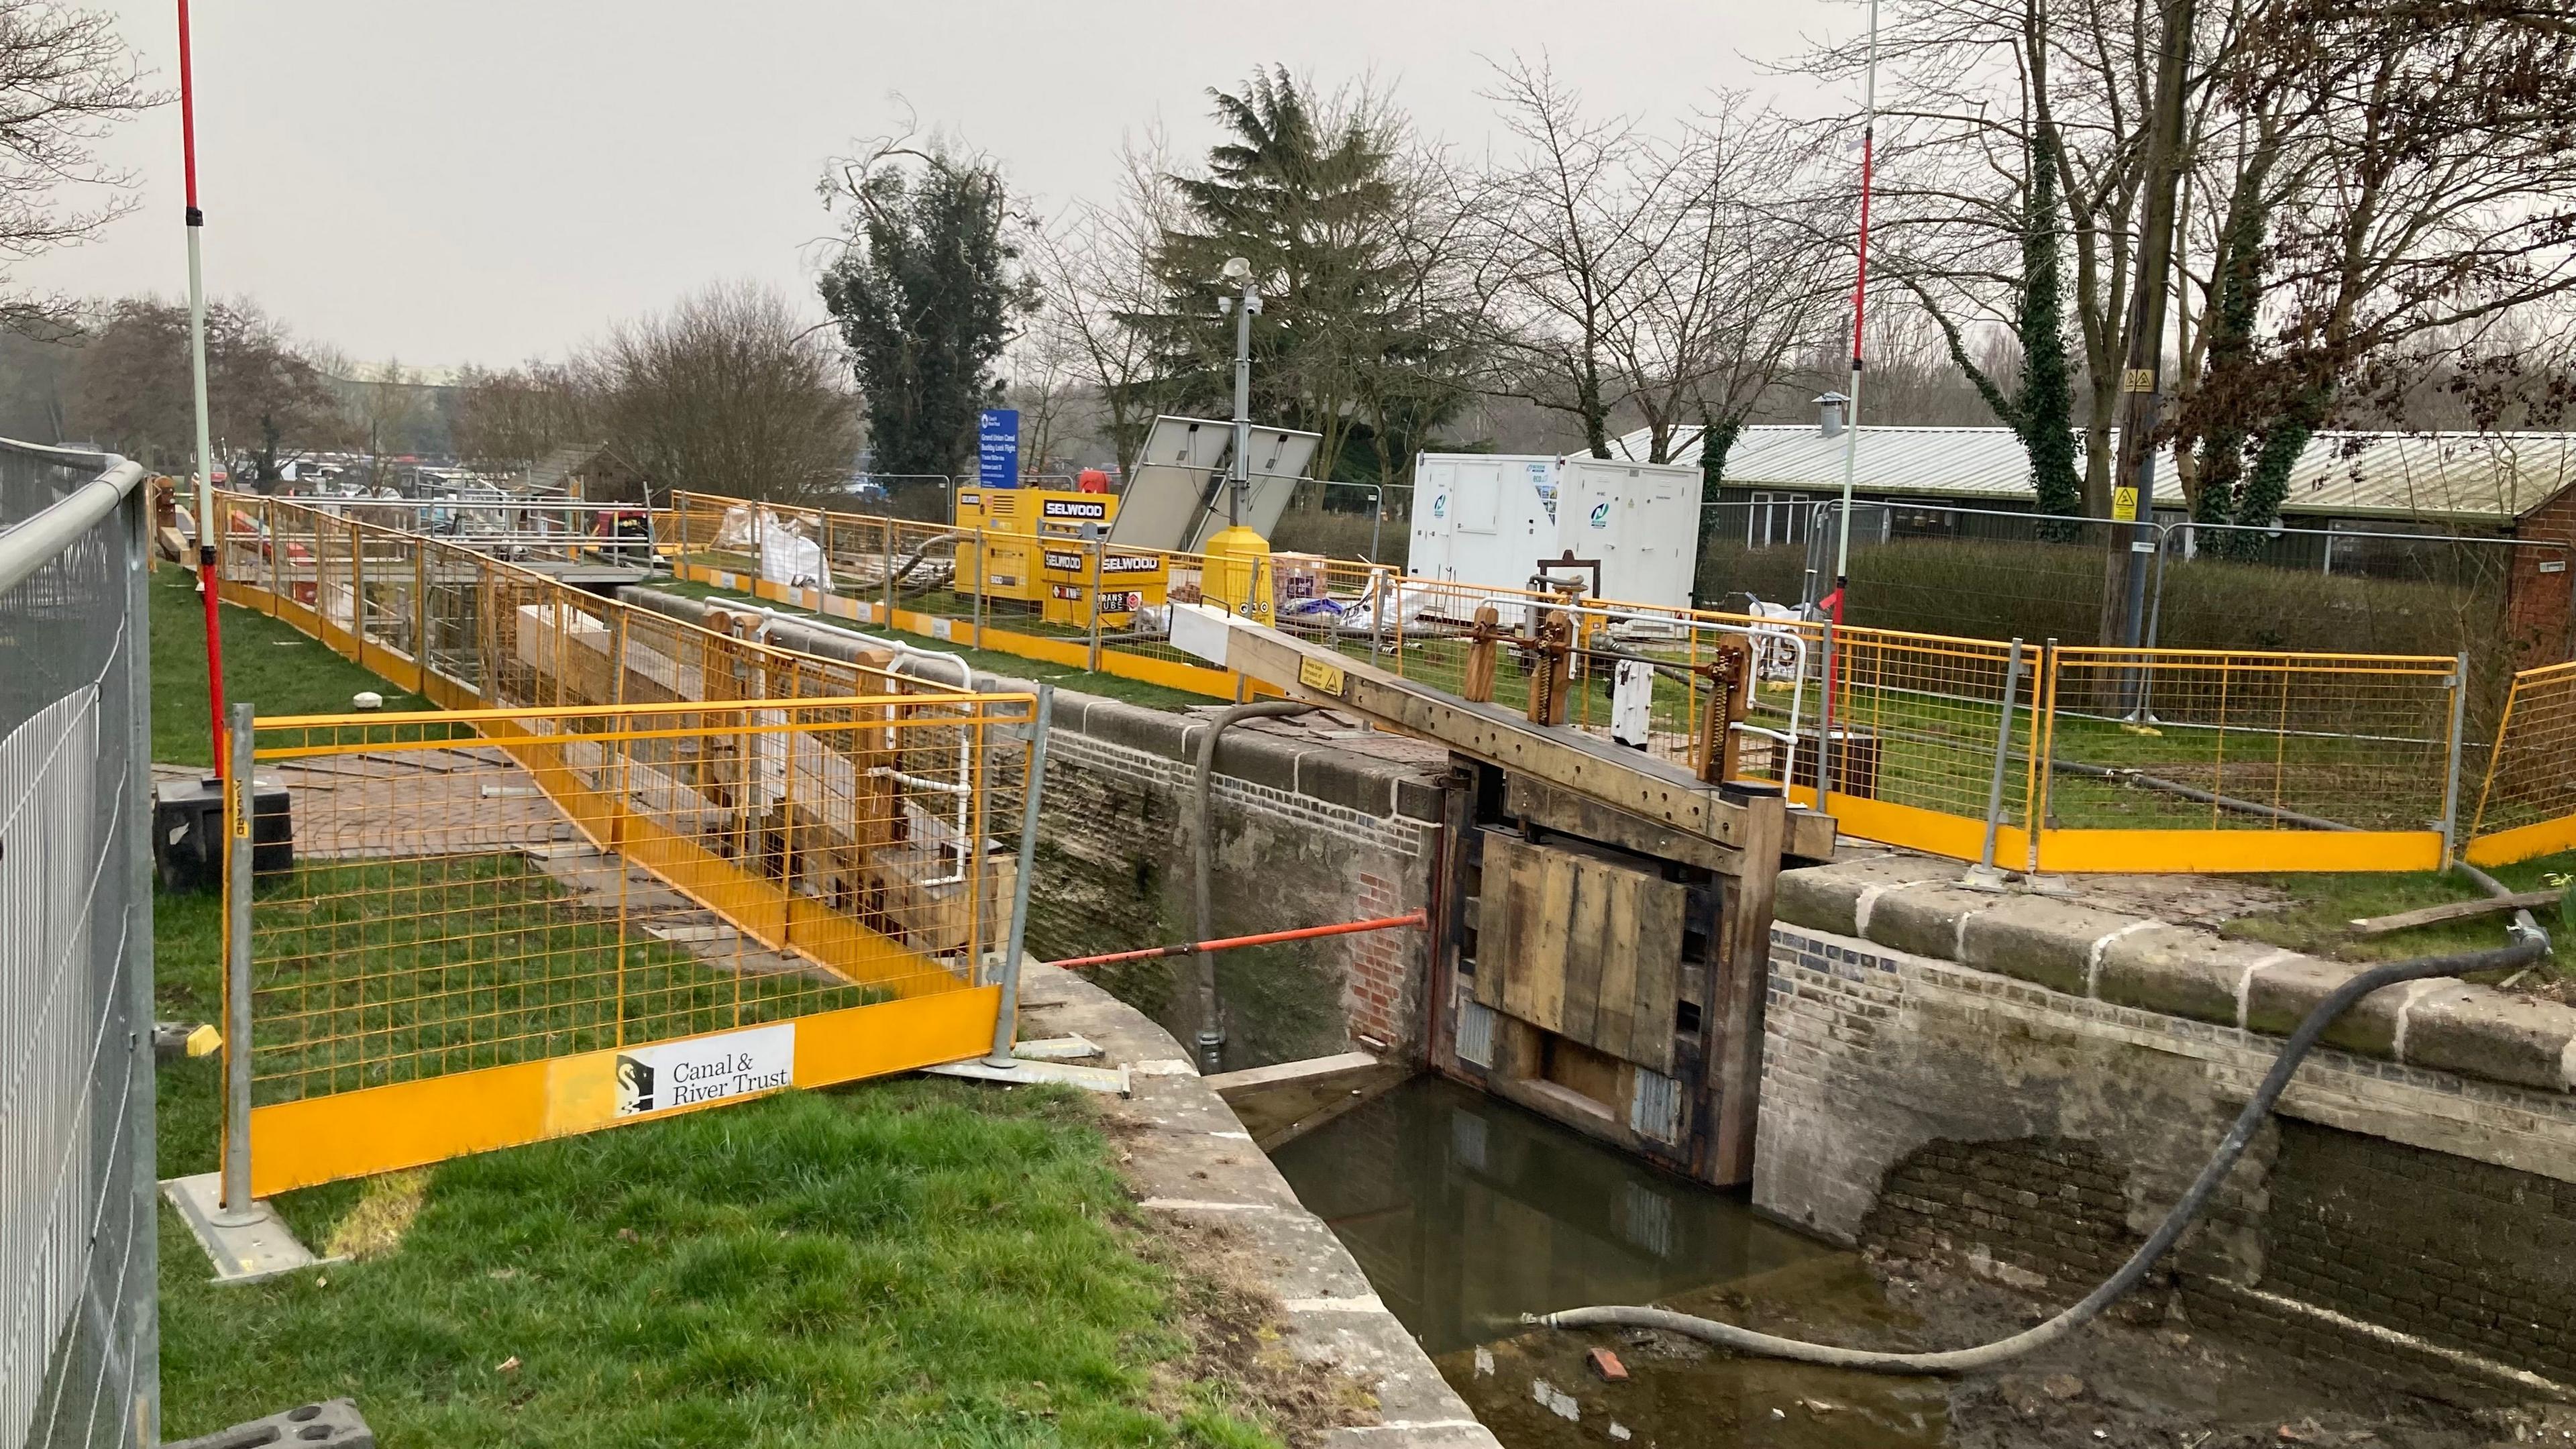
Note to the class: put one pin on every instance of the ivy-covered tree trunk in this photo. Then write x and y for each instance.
(1716, 440)
(2259, 498)
(2047, 395)
(2231, 352)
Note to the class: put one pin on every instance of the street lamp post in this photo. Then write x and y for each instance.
(1238, 557)
(1239, 271)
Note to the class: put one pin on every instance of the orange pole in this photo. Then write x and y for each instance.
(1266, 938)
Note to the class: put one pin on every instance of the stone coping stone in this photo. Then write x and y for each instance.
(2180, 971)
(1318, 769)
(2035, 938)
(2479, 1031)
(1830, 897)
(1917, 905)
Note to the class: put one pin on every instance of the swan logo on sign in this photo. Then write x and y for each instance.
(1600, 515)
(705, 1069)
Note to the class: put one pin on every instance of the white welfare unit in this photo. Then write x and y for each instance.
(1484, 518)
(1640, 519)
(1481, 518)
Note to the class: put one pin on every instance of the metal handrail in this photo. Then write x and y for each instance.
(26, 547)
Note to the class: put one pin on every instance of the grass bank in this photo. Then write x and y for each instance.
(907, 1262)
(2320, 905)
(902, 1262)
(265, 662)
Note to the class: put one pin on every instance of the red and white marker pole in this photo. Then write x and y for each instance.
(209, 531)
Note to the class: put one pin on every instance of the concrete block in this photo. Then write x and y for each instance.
(2482, 1032)
(1337, 777)
(1253, 757)
(333, 1422)
(2039, 940)
(1925, 919)
(2178, 970)
(2283, 993)
(1417, 800)
(1826, 897)
(1150, 730)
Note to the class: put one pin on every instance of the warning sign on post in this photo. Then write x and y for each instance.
(2124, 504)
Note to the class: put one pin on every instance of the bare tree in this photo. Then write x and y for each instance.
(730, 391)
(1725, 303)
(1046, 387)
(2427, 210)
(1095, 269)
(507, 420)
(1979, 93)
(65, 80)
(269, 397)
(1570, 248)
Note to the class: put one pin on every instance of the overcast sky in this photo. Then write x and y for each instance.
(477, 181)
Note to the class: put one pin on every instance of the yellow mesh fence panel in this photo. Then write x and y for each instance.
(1917, 719)
(2531, 775)
(468, 891)
(2098, 739)
(2282, 741)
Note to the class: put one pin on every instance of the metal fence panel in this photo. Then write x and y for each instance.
(578, 889)
(2526, 801)
(78, 1331)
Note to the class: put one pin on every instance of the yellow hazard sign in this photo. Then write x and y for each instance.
(1317, 674)
(2124, 504)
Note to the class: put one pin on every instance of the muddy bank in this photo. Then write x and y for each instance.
(2155, 1381)
(1466, 1212)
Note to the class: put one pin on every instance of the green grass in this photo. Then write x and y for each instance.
(2322, 903)
(1107, 686)
(906, 1263)
(266, 663)
(894, 1263)
(388, 971)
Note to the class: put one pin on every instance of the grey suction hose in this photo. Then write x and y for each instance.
(1211, 1038)
(2184, 1213)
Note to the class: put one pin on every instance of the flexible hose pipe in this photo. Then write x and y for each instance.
(2184, 1213)
(1211, 1037)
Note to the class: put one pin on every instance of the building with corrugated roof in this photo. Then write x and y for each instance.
(2466, 481)
(2498, 485)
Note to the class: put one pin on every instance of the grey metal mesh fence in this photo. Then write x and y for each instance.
(78, 1345)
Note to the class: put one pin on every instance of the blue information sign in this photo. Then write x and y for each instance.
(997, 448)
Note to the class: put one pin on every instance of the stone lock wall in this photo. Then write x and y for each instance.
(2026, 1086)
(2040, 1213)
(1307, 833)
(2474, 1256)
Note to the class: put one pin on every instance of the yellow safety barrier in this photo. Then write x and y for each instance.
(633, 847)
(2527, 800)
(497, 926)
(2110, 759)
(2128, 760)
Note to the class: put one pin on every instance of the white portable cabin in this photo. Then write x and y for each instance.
(1481, 518)
(1485, 518)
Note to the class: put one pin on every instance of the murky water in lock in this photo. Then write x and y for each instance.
(1466, 1212)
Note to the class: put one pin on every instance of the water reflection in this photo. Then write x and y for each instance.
(1466, 1212)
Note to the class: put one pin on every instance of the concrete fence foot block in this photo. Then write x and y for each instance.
(333, 1422)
